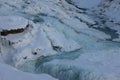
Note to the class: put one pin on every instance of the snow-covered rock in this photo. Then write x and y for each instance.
(12, 22)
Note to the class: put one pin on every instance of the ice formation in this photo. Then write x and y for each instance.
(67, 39)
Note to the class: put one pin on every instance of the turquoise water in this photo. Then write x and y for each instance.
(88, 42)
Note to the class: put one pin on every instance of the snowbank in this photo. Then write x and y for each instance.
(9, 73)
(12, 22)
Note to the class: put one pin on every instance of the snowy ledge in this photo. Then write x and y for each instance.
(12, 25)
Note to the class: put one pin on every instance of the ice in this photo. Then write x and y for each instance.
(46, 44)
(101, 65)
(61, 41)
(69, 40)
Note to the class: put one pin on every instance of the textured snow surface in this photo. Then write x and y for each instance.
(86, 3)
(12, 22)
(111, 7)
(9, 73)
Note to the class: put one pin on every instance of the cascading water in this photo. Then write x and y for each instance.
(60, 65)
(64, 41)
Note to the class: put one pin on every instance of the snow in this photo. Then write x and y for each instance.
(65, 41)
(9, 73)
(85, 18)
(61, 41)
(106, 9)
(111, 8)
(12, 22)
(95, 33)
(43, 44)
(86, 3)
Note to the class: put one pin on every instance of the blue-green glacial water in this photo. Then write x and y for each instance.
(90, 44)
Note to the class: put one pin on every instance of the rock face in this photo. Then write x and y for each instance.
(7, 32)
